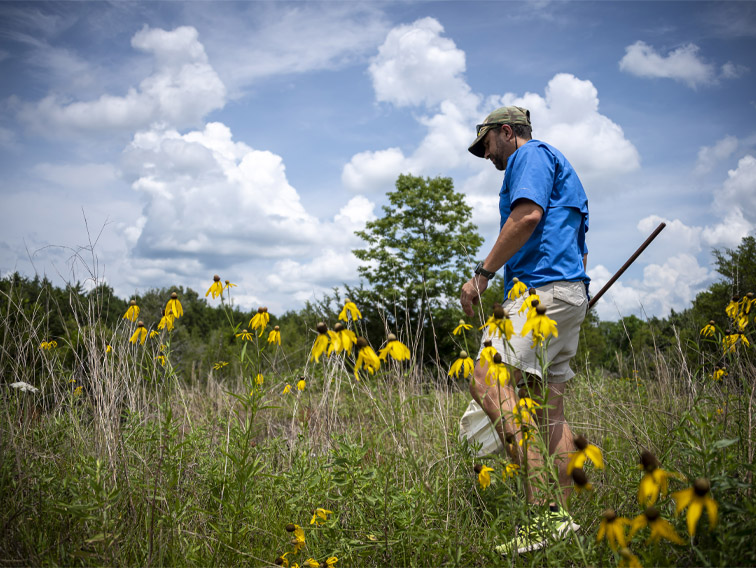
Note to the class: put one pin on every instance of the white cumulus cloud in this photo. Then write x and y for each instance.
(710, 156)
(182, 89)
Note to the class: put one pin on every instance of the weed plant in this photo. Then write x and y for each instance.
(112, 458)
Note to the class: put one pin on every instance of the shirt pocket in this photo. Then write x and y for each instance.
(572, 293)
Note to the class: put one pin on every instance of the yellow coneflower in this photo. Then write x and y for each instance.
(660, 528)
(484, 475)
(584, 451)
(311, 563)
(219, 365)
(331, 561)
(216, 288)
(229, 285)
(166, 321)
(260, 320)
(346, 338)
(321, 342)
(174, 308)
(498, 323)
(541, 325)
(718, 373)
(259, 379)
(301, 384)
(497, 371)
(246, 335)
(654, 481)
(524, 410)
(462, 365)
(733, 308)
(628, 559)
(510, 470)
(299, 538)
(527, 303)
(461, 328)
(612, 528)
(140, 334)
(732, 340)
(349, 308)
(287, 389)
(47, 345)
(696, 498)
(274, 336)
(398, 350)
(488, 352)
(366, 358)
(709, 329)
(132, 313)
(518, 289)
(320, 516)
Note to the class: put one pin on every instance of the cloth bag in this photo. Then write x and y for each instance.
(477, 429)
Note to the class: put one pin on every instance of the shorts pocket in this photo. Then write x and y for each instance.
(572, 293)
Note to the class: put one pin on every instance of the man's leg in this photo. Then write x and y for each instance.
(559, 435)
(498, 403)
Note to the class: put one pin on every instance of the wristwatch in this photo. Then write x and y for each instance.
(483, 272)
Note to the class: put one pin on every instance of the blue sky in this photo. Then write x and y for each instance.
(251, 139)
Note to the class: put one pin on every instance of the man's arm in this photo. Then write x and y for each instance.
(516, 231)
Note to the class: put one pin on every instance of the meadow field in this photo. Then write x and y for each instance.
(116, 450)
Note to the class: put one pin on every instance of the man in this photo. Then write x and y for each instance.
(544, 218)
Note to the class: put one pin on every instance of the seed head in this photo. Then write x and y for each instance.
(291, 527)
(711, 322)
(174, 296)
(540, 309)
(276, 328)
(531, 291)
(216, 278)
(649, 461)
(361, 342)
(579, 477)
(321, 327)
(478, 468)
(338, 327)
(463, 354)
(132, 303)
(735, 298)
(497, 359)
(510, 438)
(279, 561)
(391, 337)
(228, 282)
(749, 295)
(701, 486)
(523, 393)
(487, 343)
(652, 513)
(498, 311)
(609, 515)
(140, 323)
(515, 280)
(461, 322)
(580, 442)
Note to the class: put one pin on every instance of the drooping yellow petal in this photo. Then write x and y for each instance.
(694, 513)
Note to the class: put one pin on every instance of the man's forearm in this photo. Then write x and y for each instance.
(516, 231)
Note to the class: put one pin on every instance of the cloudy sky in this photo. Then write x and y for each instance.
(251, 139)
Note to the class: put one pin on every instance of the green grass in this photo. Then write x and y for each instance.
(146, 468)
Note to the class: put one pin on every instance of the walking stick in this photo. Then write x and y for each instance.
(627, 264)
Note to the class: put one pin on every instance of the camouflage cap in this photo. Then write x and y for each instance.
(503, 115)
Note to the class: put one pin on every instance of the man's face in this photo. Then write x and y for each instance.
(498, 147)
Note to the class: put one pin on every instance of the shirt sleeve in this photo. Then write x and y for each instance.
(532, 175)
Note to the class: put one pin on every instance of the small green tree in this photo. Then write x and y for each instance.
(420, 252)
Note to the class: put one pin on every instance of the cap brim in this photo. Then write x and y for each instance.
(477, 148)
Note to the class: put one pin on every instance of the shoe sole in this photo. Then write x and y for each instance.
(558, 535)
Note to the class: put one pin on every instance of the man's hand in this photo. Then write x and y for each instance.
(471, 292)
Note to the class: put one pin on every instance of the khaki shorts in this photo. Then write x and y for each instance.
(566, 303)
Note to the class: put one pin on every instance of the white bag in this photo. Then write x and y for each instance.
(476, 427)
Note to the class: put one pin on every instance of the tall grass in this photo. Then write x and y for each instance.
(143, 467)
